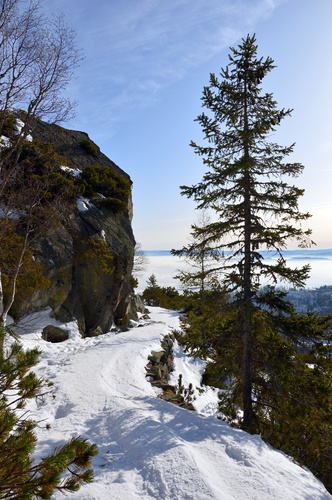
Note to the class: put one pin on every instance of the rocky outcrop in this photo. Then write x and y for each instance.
(158, 372)
(137, 308)
(161, 363)
(88, 257)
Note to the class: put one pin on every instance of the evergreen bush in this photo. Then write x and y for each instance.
(108, 187)
(89, 147)
(66, 469)
(167, 297)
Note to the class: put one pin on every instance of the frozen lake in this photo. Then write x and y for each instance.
(164, 266)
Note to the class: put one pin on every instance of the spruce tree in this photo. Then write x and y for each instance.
(255, 208)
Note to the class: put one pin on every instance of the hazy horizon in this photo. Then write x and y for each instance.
(165, 266)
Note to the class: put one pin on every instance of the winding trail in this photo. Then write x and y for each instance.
(148, 448)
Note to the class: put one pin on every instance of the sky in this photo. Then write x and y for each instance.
(140, 84)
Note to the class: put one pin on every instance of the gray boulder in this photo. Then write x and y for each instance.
(54, 334)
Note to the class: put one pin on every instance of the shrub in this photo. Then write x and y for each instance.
(89, 147)
(109, 187)
(41, 166)
(114, 204)
(167, 297)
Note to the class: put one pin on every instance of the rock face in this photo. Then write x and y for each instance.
(88, 258)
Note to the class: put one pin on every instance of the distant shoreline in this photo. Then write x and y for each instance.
(300, 253)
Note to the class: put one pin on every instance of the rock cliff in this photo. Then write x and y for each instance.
(88, 257)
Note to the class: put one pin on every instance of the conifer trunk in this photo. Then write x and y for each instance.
(248, 415)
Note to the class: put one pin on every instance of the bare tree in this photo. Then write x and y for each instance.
(141, 261)
(37, 59)
(38, 56)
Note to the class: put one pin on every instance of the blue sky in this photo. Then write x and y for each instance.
(139, 88)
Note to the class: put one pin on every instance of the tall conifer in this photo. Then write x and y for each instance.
(255, 207)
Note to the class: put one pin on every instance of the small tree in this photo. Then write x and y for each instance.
(141, 261)
(66, 469)
(246, 188)
(155, 295)
(140, 264)
(202, 260)
(151, 294)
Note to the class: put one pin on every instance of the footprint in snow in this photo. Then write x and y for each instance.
(64, 410)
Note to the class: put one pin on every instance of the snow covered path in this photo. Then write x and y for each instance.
(148, 448)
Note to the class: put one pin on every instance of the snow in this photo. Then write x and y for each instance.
(18, 127)
(5, 142)
(83, 204)
(8, 214)
(149, 448)
(75, 172)
(19, 124)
